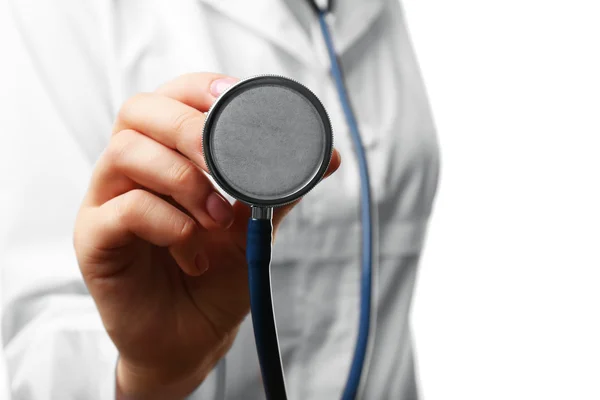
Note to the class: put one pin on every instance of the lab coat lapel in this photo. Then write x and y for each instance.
(352, 19)
(270, 19)
(275, 22)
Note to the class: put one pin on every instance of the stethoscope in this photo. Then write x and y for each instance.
(267, 142)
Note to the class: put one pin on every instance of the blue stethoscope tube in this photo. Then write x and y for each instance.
(259, 259)
(366, 219)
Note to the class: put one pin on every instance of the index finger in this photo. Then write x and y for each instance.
(173, 114)
(198, 90)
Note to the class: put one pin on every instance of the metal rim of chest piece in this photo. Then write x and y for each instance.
(312, 111)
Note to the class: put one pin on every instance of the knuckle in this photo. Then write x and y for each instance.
(132, 205)
(189, 120)
(119, 145)
(184, 175)
(186, 228)
(127, 110)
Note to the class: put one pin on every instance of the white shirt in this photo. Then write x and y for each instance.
(81, 59)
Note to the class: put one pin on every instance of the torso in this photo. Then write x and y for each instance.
(317, 253)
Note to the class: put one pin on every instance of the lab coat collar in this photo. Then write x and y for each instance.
(275, 22)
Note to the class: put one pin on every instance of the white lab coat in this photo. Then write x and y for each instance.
(79, 60)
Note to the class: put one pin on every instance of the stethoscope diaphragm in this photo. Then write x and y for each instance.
(267, 141)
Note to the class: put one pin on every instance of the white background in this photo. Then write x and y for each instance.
(508, 297)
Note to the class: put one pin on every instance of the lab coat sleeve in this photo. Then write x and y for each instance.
(54, 344)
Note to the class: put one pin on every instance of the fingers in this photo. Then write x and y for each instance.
(165, 120)
(151, 165)
(334, 164)
(174, 114)
(198, 90)
(140, 214)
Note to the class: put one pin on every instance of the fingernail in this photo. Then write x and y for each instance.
(219, 209)
(220, 85)
(201, 263)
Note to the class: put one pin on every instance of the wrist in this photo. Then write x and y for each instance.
(134, 383)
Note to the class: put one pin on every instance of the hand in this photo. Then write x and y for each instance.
(162, 253)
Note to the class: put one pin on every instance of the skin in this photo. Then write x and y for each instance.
(162, 253)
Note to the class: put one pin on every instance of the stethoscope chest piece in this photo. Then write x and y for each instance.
(267, 141)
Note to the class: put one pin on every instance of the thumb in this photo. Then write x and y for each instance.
(280, 212)
(243, 212)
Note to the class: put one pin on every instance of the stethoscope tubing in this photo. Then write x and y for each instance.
(259, 259)
(353, 382)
